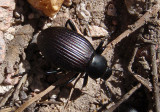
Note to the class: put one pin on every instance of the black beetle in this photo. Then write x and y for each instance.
(70, 51)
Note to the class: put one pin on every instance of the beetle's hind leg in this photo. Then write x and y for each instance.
(77, 76)
(74, 77)
(71, 24)
(85, 79)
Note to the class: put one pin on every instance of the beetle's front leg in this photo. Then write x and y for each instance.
(85, 81)
(100, 47)
(71, 24)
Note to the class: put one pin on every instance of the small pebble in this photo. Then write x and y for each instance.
(48, 7)
(25, 88)
(64, 95)
(82, 12)
(67, 3)
(11, 81)
(36, 90)
(8, 36)
(17, 15)
(49, 24)
(17, 104)
(54, 93)
(24, 66)
(23, 95)
(137, 7)
(11, 30)
(95, 31)
(76, 1)
(5, 88)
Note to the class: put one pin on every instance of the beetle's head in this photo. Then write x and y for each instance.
(98, 68)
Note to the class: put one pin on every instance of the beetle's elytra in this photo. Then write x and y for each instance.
(70, 51)
(65, 48)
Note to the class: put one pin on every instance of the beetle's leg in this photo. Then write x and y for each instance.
(71, 24)
(85, 80)
(100, 47)
(72, 78)
(53, 72)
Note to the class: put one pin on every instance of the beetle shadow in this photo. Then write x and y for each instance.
(65, 93)
(115, 84)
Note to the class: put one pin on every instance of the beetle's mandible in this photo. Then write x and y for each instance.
(70, 51)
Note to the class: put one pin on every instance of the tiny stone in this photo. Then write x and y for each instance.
(48, 7)
(95, 31)
(17, 104)
(4, 89)
(25, 89)
(64, 100)
(17, 15)
(36, 90)
(67, 2)
(11, 30)
(23, 95)
(49, 24)
(55, 8)
(92, 106)
(54, 93)
(76, 1)
(9, 80)
(82, 13)
(8, 36)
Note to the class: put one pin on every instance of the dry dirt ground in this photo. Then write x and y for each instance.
(130, 59)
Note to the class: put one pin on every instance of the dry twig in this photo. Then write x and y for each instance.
(6, 97)
(21, 82)
(49, 102)
(158, 56)
(143, 20)
(38, 96)
(155, 79)
(142, 80)
(9, 109)
(124, 98)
